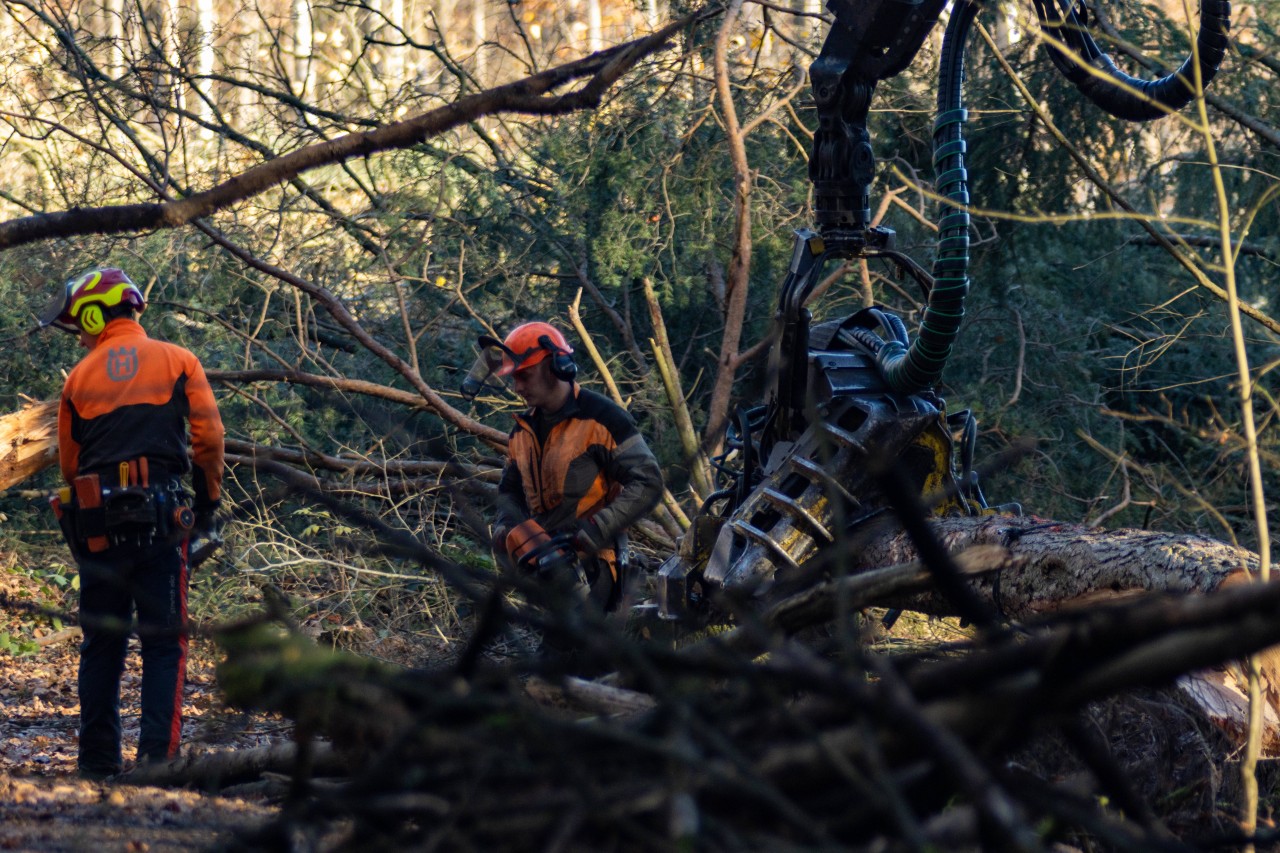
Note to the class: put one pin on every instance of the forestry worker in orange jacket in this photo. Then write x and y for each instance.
(576, 464)
(123, 444)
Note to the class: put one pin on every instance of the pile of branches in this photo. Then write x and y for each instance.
(787, 732)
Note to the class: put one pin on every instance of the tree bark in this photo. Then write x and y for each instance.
(739, 273)
(1068, 565)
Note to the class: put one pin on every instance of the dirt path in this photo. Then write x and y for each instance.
(45, 807)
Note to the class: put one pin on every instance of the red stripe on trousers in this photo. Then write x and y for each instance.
(175, 727)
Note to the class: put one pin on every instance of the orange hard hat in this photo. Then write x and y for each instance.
(526, 346)
(530, 343)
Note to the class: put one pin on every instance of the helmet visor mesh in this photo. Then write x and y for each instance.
(54, 313)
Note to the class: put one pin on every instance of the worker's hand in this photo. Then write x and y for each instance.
(207, 524)
(586, 539)
(499, 540)
(205, 538)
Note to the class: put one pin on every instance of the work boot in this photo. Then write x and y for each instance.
(95, 774)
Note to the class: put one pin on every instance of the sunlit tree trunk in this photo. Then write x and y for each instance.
(248, 101)
(206, 21)
(765, 35)
(171, 39)
(595, 27)
(479, 31)
(444, 10)
(386, 22)
(113, 11)
(303, 48)
(812, 25)
(395, 71)
(738, 277)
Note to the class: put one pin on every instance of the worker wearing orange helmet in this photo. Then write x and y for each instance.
(123, 423)
(577, 466)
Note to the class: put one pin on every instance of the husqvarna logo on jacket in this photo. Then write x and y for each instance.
(122, 363)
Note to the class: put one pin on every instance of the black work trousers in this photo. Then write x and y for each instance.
(153, 580)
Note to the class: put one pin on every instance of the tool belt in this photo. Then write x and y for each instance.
(95, 516)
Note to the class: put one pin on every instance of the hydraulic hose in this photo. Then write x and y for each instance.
(1119, 94)
(912, 369)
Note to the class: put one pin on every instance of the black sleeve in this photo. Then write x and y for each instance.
(512, 508)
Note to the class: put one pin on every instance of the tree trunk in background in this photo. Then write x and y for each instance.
(385, 22)
(303, 47)
(113, 11)
(595, 27)
(248, 102)
(170, 35)
(480, 34)
(739, 271)
(807, 29)
(395, 70)
(207, 23)
(652, 14)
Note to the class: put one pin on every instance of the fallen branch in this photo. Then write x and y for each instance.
(216, 770)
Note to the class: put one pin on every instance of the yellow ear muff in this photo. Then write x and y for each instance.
(91, 319)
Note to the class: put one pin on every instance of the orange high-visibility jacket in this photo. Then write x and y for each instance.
(129, 398)
(591, 450)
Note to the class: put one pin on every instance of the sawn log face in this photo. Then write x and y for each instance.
(28, 442)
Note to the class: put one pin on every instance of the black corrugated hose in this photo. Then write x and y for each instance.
(1113, 90)
(913, 369)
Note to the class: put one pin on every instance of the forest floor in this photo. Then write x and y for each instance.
(45, 807)
(1182, 766)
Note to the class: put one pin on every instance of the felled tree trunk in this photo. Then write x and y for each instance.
(28, 442)
(1063, 565)
(1059, 566)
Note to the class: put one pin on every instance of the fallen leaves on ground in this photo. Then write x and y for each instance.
(45, 807)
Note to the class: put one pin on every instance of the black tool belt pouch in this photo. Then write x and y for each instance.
(128, 510)
(142, 513)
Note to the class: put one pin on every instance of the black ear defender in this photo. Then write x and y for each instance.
(563, 366)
